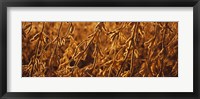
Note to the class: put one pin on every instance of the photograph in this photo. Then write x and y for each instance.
(124, 49)
(99, 49)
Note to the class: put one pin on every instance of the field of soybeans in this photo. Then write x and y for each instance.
(99, 49)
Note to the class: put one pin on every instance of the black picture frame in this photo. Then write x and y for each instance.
(99, 3)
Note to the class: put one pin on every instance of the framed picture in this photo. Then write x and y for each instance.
(108, 49)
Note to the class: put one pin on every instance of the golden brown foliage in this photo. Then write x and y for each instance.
(100, 49)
